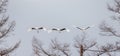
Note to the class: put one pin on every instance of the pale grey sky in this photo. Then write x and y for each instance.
(54, 13)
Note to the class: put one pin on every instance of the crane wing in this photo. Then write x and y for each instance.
(79, 28)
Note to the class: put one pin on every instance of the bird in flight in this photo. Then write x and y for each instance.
(55, 29)
(59, 30)
(83, 29)
(64, 29)
(37, 29)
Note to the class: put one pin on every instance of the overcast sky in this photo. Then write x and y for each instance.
(53, 13)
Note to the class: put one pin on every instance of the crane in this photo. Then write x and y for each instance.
(59, 30)
(37, 29)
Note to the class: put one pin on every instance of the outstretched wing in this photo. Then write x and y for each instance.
(54, 29)
(79, 28)
(87, 28)
(33, 28)
(62, 29)
(40, 28)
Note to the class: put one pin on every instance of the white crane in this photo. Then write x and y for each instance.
(86, 28)
(64, 29)
(59, 30)
(37, 29)
(82, 29)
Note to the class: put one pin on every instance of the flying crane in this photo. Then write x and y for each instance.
(37, 29)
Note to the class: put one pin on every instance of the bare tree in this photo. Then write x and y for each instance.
(6, 52)
(5, 28)
(3, 4)
(62, 47)
(108, 30)
(56, 48)
(83, 45)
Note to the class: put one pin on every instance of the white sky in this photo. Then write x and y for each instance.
(54, 13)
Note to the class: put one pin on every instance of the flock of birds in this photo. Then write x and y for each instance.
(56, 29)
